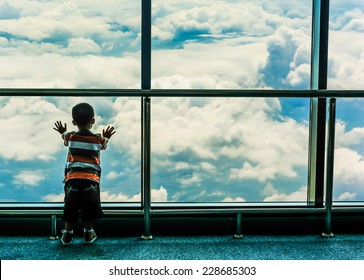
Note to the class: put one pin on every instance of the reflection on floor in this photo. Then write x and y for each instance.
(255, 247)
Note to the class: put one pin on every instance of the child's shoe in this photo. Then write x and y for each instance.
(67, 237)
(90, 236)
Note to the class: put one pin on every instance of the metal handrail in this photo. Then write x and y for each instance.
(330, 167)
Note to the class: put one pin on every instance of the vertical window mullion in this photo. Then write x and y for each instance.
(318, 105)
(146, 44)
(146, 122)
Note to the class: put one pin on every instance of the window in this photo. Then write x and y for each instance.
(67, 44)
(230, 149)
(203, 149)
(33, 155)
(70, 44)
(346, 72)
(251, 44)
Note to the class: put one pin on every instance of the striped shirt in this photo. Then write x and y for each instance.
(83, 159)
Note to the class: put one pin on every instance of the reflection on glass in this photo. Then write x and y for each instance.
(70, 44)
(231, 44)
(33, 157)
(346, 71)
(229, 150)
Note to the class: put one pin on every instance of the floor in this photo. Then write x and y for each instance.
(222, 247)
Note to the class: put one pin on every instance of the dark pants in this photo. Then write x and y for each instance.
(82, 200)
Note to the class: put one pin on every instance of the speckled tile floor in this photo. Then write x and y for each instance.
(255, 247)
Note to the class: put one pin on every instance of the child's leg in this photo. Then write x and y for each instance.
(89, 233)
(88, 225)
(68, 226)
(71, 205)
(67, 234)
(91, 205)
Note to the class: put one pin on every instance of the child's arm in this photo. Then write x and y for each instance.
(108, 132)
(60, 128)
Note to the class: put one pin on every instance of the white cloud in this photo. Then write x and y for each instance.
(346, 65)
(7, 10)
(28, 178)
(237, 42)
(81, 46)
(191, 181)
(260, 172)
(208, 167)
(299, 75)
(207, 195)
(112, 175)
(349, 163)
(161, 34)
(237, 199)
(348, 138)
(157, 195)
(348, 19)
(3, 41)
(79, 24)
(58, 71)
(235, 139)
(182, 165)
(346, 196)
(193, 66)
(207, 17)
(269, 190)
(27, 129)
(53, 198)
(57, 44)
(45, 20)
(348, 169)
(296, 196)
(127, 122)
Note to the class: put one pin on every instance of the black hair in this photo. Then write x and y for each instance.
(83, 113)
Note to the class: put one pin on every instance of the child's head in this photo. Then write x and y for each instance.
(83, 115)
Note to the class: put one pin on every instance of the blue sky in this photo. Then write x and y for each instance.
(203, 149)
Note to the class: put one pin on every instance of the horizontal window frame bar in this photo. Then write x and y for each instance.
(257, 93)
(125, 208)
(207, 211)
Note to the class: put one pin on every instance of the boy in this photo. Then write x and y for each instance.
(82, 172)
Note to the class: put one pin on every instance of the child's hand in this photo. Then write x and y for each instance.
(108, 132)
(59, 127)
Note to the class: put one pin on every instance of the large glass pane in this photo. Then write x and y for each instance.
(229, 150)
(346, 69)
(70, 44)
(349, 151)
(33, 157)
(231, 44)
(346, 47)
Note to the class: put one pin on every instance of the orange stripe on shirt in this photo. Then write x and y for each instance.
(73, 158)
(82, 175)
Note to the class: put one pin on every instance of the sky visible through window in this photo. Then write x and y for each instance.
(216, 149)
(346, 69)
